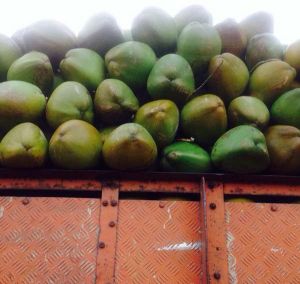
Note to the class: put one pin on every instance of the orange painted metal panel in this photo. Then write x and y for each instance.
(263, 242)
(158, 242)
(48, 240)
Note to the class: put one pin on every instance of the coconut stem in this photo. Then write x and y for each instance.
(197, 91)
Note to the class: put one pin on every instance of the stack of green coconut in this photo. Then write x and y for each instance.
(171, 94)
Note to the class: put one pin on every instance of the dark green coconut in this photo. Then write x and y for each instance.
(286, 109)
(171, 78)
(185, 157)
(241, 150)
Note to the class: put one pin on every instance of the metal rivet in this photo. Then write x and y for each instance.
(274, 208)
(114, 203)
(25, 201)
(161, 205)
(111, 224)
(104, 202)
(101, 245)
(212, 206)
(217, 275)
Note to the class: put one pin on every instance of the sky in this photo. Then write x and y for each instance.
(17, 14)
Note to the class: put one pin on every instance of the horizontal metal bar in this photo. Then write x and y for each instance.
(261, 188)
(93, 180)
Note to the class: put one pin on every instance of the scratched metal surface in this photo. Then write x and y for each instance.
(263, 242)
(48, 240)
(158, 242)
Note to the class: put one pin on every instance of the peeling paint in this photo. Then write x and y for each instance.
(1, 211)
(182, 246)
(231, 259)
(169, 214)
(227, 216)
(275, 250)
(89, 211)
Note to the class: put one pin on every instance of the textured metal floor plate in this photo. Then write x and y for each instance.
(158, 242)
(263, 242)
(48, 240)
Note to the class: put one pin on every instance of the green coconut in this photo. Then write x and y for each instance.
(171, 78)
(263, 47)
(129, 147)
(286, 109)
(35, 68)
(50, 37)
(271, 79)
(241, 150)
(70, 100)
(248, 110)
(24, 146)
(161, 119)
(283, 143)
(192, 13)
(204, 118)
(156, 28)
(292, 55)
(75, 144)
(9, 52)
(84, 66)
(228, 76)
(198, 43)
(20, 102)
(115, 102)
(100, 33)
(130, 62)
(185, 157)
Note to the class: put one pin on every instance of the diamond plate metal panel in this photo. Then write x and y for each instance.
(158, 242)
(263, 242)
(48, 240)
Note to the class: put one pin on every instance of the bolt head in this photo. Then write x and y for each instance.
(212, 206)
(101, 245)
(161, 205)
(104, 202)
(25, 201)
(113, 203)
(112, 224)
(217, 275)
(274, 208)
